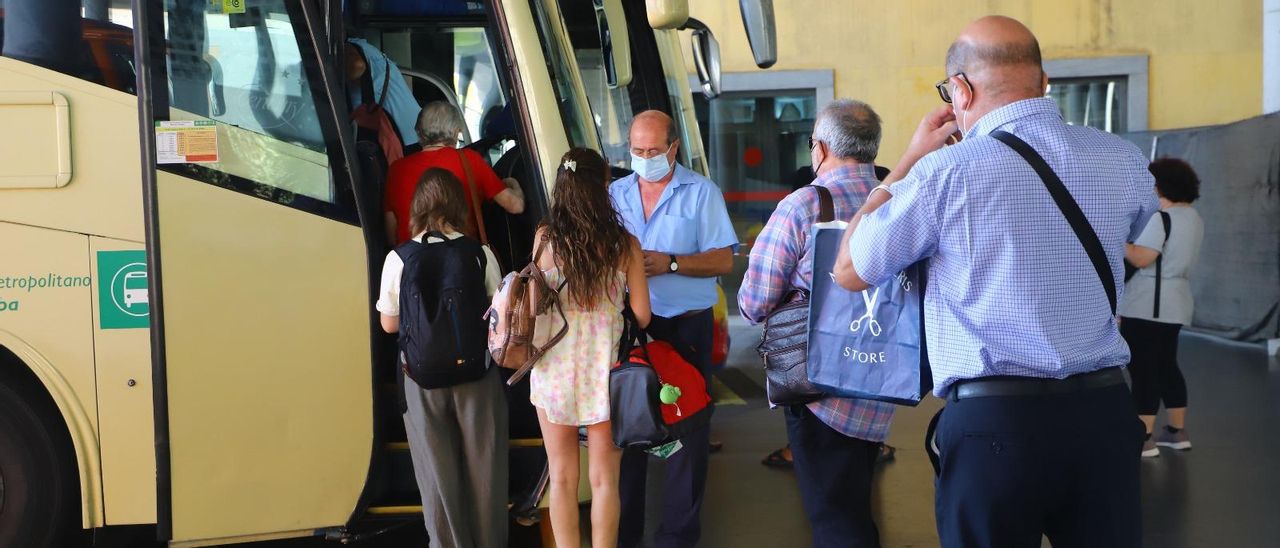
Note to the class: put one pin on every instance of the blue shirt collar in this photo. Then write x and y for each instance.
(1026, 108)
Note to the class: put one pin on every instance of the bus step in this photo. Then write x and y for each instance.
(399, 510)
(400, 446)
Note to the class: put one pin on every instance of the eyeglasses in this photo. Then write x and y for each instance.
(812, 143)
(647, 153)
(945, 93)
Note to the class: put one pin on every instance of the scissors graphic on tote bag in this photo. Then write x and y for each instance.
(872, 325)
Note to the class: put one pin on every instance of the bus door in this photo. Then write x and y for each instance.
(259, 272)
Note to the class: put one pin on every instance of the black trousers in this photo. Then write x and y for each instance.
(1153, 367)
(834, 472)
(686, 470)
(1064, 465)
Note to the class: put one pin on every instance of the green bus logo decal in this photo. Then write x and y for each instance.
(123, 302)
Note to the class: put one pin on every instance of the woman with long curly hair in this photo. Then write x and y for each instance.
(584, 246)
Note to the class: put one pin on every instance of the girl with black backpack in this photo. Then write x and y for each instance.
(434, 292)
(599, 263)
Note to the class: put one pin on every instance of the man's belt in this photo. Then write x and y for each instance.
(692, 313)
(1027, 386)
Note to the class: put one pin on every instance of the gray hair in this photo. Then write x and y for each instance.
(850, 128)
(439, 124)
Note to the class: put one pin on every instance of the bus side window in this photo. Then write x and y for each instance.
(101, 52)
(251, 79)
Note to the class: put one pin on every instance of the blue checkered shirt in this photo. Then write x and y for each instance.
(1011, 290)
(782, 260)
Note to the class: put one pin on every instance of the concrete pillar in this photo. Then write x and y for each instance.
(1271, 56)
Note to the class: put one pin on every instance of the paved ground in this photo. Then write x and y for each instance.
(1226, 492)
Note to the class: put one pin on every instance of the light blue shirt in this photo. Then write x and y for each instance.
(1011, 290)
(690, 218)
(400, 103)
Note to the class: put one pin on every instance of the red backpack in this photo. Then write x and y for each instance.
(672, 369)
(373, 120)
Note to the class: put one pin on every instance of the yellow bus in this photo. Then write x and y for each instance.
(189, 341)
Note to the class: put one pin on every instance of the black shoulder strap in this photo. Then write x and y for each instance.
(1070, 209)
(386, 79)
(484, 260)
(407, 248)
(1168, 223)
(826, 208)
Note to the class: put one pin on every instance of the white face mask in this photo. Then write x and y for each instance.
(652, 169)
(962, 117)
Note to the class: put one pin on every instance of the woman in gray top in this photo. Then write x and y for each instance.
(1157, 302)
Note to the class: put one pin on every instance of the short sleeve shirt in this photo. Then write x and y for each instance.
(402, 181)
(1011, 291)
(389, 290)
(399, 101)
(690, 218)
(1177, 255)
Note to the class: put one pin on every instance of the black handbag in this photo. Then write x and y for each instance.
(638, 419)
(784, 344)
(635, 412)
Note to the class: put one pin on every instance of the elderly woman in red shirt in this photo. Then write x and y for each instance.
(439, 125)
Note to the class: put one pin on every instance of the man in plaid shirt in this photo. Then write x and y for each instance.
(835, 441)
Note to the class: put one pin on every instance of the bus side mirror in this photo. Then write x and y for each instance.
(706, 58)
(615, 42)
(762, 30)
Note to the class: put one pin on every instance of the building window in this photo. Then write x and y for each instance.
(1108, 93)
(1095, 102)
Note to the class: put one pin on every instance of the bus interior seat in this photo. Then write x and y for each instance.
(511, 236)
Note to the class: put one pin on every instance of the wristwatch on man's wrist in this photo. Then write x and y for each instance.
(674, 266)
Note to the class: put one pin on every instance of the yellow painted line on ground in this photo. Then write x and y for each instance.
(723, 395)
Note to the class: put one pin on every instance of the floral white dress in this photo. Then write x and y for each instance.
(571, 381)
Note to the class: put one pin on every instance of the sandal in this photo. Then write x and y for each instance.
(886, 453)
(777, 460)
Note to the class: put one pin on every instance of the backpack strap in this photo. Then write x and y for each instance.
(409, 247)
(386, 79)
(1070, 209)
(826, 208)
(1168, 223)
(473, 196)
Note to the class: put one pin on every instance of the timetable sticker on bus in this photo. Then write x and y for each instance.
(186, 142)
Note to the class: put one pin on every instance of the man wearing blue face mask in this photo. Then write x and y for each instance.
(683, 226)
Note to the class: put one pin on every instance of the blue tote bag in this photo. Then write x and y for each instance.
(867, 344)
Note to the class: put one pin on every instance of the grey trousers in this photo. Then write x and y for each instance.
(458, 441)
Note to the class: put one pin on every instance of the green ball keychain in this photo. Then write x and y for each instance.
(669, 394)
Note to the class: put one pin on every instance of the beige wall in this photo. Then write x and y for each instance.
(1205, 57)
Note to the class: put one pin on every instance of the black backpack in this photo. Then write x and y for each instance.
(442, 305)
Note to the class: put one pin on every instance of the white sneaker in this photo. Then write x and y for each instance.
(1179, 441)
(1149, 449)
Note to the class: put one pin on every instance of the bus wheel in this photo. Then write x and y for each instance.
(38, 488)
